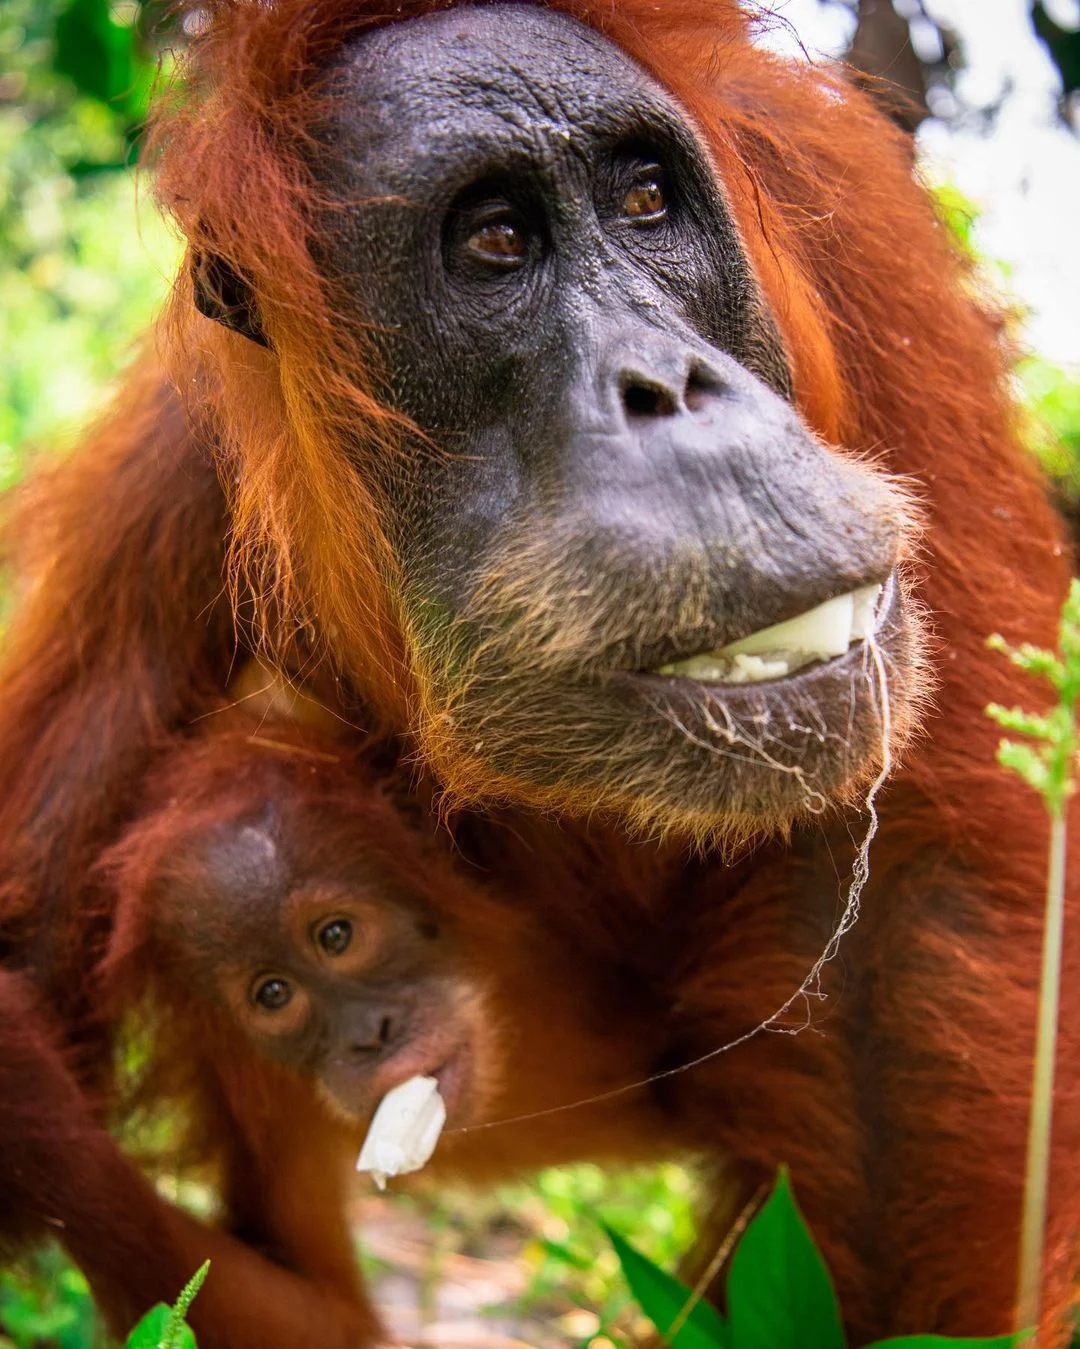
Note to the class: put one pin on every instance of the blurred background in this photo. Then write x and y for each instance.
(989, 91)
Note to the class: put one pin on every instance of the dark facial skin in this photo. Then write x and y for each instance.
(328, 969)
(619, 481)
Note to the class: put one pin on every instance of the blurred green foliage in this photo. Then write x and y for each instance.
(570, 1258)
(1049, 396)
(46, 1301)
(1052, 421)
(554, 1227)
(98, 47)
(81, 271)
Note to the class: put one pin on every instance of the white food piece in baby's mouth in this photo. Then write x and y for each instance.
(404, 1130)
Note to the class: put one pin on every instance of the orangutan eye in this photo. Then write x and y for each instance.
(335, 937)
(272, 994)
(646, 201)
(501, 242)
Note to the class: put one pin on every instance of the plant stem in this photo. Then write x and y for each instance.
(1036, 1181)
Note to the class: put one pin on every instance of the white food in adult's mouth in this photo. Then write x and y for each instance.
(771, 653)
(403, 1131)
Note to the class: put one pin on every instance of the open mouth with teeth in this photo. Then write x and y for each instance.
(822, 633)
(709, 729)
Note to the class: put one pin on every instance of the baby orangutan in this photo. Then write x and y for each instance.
(300, 920)
(301, 942)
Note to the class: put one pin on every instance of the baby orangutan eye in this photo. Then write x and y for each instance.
(272, 994)
(334, 937)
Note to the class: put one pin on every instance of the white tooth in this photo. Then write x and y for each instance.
(404, 1130)
(706, 668)
(752, 669)
(771, 653)
(864, 614)
(824, 631)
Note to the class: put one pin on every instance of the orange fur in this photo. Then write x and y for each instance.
(904, 1121)
(278, 1149)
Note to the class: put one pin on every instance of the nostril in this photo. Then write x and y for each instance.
(642, 399)
(702, 385)
(374, 1040)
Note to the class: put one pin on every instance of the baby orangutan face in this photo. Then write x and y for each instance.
(329, 961)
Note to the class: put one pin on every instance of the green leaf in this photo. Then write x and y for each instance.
(151, 1331)
(166, 1327)
(1023, 723)
(779, 1293)
(1025, 761)
(174, 1331)
(102, 58)
(558, 1250)
(93, 51)
(1038, 661)
(944, 1342)
(662, 1298)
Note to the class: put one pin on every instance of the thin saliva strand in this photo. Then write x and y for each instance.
(810, 988)
(860, 871)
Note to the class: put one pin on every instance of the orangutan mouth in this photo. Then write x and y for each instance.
(822, 633)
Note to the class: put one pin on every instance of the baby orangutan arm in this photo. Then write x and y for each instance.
(61, 1174)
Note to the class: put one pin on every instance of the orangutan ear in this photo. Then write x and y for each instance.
(223, 295)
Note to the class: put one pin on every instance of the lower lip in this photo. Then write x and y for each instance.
(451, 1077)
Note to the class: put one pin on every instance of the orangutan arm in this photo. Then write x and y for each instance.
(116, 633)
(62, 1175)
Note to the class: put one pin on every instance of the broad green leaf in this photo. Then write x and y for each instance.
(93, 51)
(662, 1298)
(101, 58)
(779, 1293)
(944, 1342)
(151, 1331)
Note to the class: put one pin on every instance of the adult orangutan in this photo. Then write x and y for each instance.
(529, 364)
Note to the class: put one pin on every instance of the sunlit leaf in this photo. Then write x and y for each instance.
(663, 1298)
(151, 1331)
(779, 1292)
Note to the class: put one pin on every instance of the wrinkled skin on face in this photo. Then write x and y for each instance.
(328, 967)
(610, 478)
